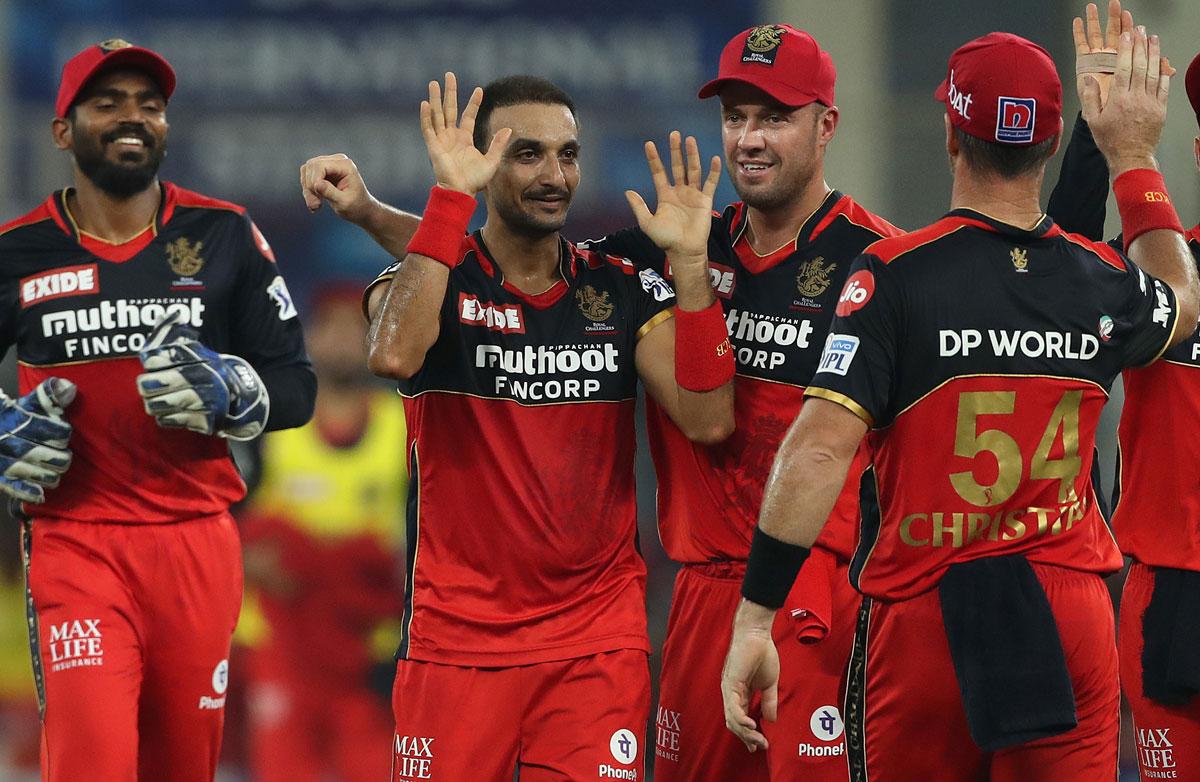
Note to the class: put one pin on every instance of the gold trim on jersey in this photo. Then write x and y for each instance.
(1030, 230)
(843, 400)
(794, 241)
(947, 381)
(656, 320)
(1167, 345)
(153, 225)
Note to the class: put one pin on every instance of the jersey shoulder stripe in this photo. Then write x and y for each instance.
(1101, 250)
(854, 213)
(43, 212)
(892, 247)
(181, 197)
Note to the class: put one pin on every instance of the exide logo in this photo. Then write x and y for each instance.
(68, 281)
(505, 318)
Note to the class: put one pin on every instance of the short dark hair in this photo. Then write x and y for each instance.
(1003, 160)
(512, 90)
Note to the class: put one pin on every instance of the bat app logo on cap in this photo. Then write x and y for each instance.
(1015, 120)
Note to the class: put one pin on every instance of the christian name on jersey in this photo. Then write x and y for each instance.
(114, 327)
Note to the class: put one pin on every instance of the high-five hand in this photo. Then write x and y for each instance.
(683, 217)
(457, 164)
(1128, 125)
(1096, 51)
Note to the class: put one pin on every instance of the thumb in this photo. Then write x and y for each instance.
(161, 332)
(327, 190)
(1089, 97)
(638, 205)
(50, 397)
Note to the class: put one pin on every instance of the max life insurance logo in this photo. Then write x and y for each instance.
(1015, 119)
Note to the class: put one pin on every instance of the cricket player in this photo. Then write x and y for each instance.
(518, 355)
(1156, 515)
(978, 353)
(151, 325)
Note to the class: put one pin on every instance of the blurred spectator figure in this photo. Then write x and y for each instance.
(323, 543)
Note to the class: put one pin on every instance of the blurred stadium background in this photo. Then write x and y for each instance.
(265, 84)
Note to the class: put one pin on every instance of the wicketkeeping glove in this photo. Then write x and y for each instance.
(187, 385)
(33, 439)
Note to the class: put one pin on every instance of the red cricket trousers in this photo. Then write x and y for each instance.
(130, 627)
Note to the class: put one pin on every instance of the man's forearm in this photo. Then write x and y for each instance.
(390, 227)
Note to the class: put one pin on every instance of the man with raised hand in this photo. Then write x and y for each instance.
(518, 356)
(978, 353)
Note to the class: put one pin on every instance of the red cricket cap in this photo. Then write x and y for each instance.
(780, 60)
(1192, 82)
(113, 53)
(1004, 89)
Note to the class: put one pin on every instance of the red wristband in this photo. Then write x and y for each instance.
(703, 353)
(1144, 204)
(443, 226)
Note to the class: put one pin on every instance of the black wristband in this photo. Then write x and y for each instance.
(772, 569)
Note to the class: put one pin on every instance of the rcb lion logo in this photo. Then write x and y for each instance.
(112, 44)
(764, 38)
(593, 305)
(1018, 258)
(184, 257)
(814, 278)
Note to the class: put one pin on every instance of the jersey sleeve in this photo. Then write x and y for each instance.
(1077, 204)
(1146, 316)
(629, 243)
(653, 300)
(264, 328)
(857, 368)
(386, 275)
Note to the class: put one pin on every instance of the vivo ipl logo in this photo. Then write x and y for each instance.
(1014, 120)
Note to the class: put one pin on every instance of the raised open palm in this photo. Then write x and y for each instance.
(457, 164)
(683, 217)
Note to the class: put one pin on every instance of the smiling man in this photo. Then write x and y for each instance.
(518, 356)
(154, 321)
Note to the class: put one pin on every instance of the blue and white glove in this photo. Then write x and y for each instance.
(33, 439)
(187, 385)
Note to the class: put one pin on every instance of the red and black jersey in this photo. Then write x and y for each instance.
(982, 355)
(80, 308)
(778, 308)
(521, 510)
(1157, 521)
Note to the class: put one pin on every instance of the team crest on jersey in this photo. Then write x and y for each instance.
(762, 44)
(594, 305)
(1019, 259)
(814, 278)
(184, 257)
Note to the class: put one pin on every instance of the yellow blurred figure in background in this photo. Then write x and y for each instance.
(324, 585)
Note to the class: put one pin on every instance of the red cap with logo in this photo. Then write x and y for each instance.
(1192, 82)
(780, 60)
(114, 53)
(1004, 89)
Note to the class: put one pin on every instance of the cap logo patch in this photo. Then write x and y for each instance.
(959, 101)
(112, 44)
(762, 44)
(1014, 120)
